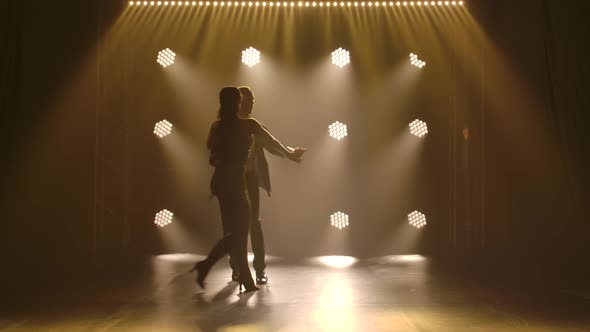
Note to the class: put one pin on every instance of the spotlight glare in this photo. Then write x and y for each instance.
(163, 128)
(163, 218)
(166, 57)
(250, 56)
(415, 61)
(418, 128)
(417, 219)
(339, 220)
(338, 130)
(340, 57)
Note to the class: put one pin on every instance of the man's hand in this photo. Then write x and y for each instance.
(296, 154)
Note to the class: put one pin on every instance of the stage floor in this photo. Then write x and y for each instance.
(394, 293)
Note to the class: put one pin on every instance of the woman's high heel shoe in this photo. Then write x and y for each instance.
(202, 269)
(248, 289)
(249, 286)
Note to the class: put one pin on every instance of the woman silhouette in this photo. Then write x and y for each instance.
(230, 143)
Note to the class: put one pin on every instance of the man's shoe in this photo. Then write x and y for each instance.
(261, 278)
(235, 275)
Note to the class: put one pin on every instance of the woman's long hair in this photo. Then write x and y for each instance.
(229, 101)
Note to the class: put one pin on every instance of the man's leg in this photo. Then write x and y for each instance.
(256, 234)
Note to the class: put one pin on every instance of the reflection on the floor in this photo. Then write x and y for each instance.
(334, 293)
(335, 261)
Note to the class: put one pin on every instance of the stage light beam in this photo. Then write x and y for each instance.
(417, 219)
(416, 62)
(166, 57)
(251, 56)
(418, 128)
(340, 57)
(163, 218)
(339, 220)
(163, 128)
(338, 130)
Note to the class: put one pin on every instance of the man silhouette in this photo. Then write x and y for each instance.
(257, 175)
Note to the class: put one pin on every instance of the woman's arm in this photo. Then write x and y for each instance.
(211, 135)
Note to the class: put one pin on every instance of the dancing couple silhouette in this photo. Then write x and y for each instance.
(236, 143)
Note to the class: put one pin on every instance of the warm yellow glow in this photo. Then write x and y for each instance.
(337, 261)
(307, 4)
(370, 4)
(460, 3)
